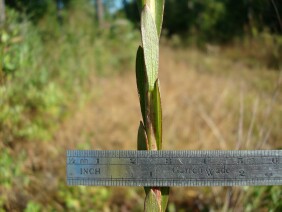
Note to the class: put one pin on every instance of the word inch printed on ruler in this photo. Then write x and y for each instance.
(174, 168)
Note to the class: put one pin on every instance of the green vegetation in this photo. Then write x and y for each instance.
(40, 77)
(46, 72)
(66, 83)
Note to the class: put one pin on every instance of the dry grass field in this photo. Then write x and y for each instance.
(210, 101)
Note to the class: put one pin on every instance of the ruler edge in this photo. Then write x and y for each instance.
(253, 183)
(90, 153)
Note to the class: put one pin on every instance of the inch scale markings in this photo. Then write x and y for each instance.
(174, 168)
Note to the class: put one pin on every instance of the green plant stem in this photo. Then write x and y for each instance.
(147, 60)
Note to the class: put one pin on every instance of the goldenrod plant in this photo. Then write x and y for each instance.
(148, 84)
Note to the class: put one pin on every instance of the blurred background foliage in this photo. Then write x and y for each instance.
(216, 20)
(53, 51)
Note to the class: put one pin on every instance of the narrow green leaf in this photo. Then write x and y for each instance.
(141, 79)
(165, 195)
(151, 202)
(158, 13)
(150, 42)
(157, 10)
(164, 198)
(156, 114)
(142, 141)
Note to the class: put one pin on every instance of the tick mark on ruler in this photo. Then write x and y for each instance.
(180, 161)
(268, 174)
(275, 160)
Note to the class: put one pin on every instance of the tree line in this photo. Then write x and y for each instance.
(213, 20)
(217, 20)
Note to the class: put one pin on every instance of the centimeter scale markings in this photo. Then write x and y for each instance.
(174, 168)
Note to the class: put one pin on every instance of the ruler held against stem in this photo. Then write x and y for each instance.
(174, 168)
